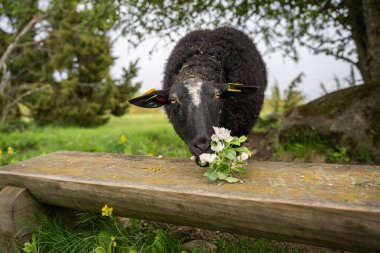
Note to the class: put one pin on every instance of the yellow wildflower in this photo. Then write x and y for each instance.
(114, 244)
(10, 151)
(123, 138)
(112, 238)
(107, 211)
(1, 151)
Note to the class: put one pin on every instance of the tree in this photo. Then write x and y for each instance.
(16, 46)
(56, 61)
(346, 29)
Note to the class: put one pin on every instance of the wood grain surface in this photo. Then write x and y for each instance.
(336, 206)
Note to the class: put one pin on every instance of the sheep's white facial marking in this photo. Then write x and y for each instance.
(194, 90)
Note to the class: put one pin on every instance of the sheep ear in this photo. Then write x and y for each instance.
(238, 90)
(151, 99)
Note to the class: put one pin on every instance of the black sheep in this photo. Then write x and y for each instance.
(212, 78)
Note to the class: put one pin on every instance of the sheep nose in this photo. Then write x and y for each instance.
(202, 144)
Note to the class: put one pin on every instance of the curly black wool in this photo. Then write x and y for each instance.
(221, 55)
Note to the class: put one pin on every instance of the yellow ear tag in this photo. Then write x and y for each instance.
(234, 90)
(149, 91)
(235, 84)
(150, 98)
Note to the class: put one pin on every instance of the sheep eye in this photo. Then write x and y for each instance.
(217, 95)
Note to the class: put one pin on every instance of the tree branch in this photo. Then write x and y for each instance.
(9, 105)
(25, 94)
(329, 52)
(4, 79)
(14, 44)
(30, 43)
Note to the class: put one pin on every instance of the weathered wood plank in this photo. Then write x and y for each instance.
(336, 206)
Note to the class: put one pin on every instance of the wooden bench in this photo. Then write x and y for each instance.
(336, 206)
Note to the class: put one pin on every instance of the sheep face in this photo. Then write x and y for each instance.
(194, 107)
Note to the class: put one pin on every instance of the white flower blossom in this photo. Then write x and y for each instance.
(214, 137)
(218, 147)
(222, 134)
(229, 139)
(242, 157)
(207, 158)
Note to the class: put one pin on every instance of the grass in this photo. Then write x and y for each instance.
(145, 134)
(90, 232)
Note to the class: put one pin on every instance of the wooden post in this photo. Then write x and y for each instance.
(18, 215)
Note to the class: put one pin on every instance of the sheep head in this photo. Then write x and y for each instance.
(194, 107)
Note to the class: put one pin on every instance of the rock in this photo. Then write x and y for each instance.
(201, 245)
(348, 118)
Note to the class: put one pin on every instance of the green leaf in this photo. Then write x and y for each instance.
(202, 164)
(208, 172)
(241, 170)
(224, 168)
(214, 165)
(221, 175)
(212, 176)
(243, 150)
(28, 248)
(235, 142)
(230, 154)
(232, 179)
(34, 241)
(242, 138)
(100, 250)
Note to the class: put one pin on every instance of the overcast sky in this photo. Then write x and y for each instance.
(317, 68)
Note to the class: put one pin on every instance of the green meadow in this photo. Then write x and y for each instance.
(145, 134)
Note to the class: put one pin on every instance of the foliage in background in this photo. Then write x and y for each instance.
(145, 134)
(57, 68)
(347, 30)
(6, 156)
(313, 149)
(277, 104)
(351, 80)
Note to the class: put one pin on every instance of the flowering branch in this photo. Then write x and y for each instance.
(229, 157)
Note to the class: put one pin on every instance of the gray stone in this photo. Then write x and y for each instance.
(348, 117)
